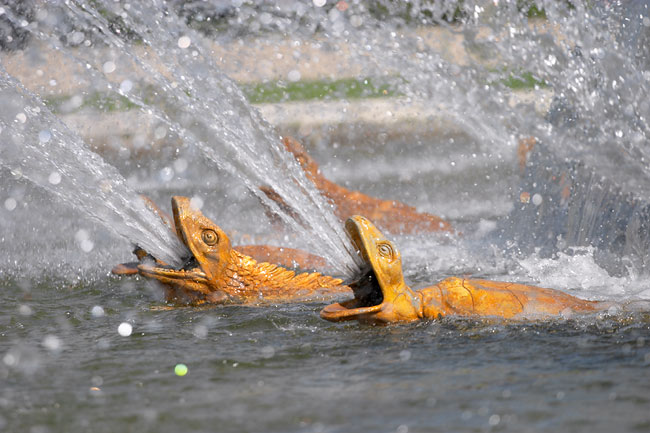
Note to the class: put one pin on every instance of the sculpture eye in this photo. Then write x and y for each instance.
(210, 237)
(385, 250)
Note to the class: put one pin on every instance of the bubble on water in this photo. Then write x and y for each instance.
(21, 117)
(97, 311)
(180, 370)
(294, 75)
(25, 310)
(125, 329)
(126, 86)
(180, 165)
(537, 199)
(402, 429)
(109, 67)
(268, 352)
(54, 178)
(560, 395)
(52, 83)
(494, 420)
(44, 136)
(97, 381)
(196, 202)
(405, 355)
(52, 342)
(646, 21)
(319, 3)
(619, 133)
(184, 42)
(10, 204)
(2, 11)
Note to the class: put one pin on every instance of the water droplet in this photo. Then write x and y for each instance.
(126, 86)
(196, 202)
(265, 18)
(25, 310)
(86, 245)
(44, 136)
(619, 133)
(160, 132)
(550, 60)
(294, 75)
(537, 199)
(54, 178)
(108, 67)
(494, 420)
(97, 311)
(180, 165)
(166, 174)
(52, 83)
(200, 331)
(76, 37)
(402, 429)
(10, 359)
(405, 355)
(268, 352)
(319, 3)
(10, 204)
(21, 117)
(184, 42)
(646, 21)
(125, 329)
(52, 342)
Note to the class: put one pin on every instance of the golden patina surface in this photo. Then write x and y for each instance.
(218, 273)
(391, 215)
(382, 296)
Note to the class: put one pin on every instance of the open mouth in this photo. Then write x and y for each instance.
(189, 270)
(368, 295)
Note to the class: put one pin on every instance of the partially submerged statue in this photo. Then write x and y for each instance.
(217, 273)
(391, 215)
(382, 296)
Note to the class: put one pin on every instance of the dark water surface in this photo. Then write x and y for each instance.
(283, 369)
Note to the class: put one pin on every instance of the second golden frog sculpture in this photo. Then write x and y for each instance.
(217, 273)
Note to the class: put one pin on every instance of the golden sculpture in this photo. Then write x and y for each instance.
(217, 273)
(382, 296)
(391, 215)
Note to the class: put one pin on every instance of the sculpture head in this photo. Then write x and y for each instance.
(381, 295)
(210, 252)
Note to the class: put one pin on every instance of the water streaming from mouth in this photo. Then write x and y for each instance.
(597, 112)
(207, 111)
(36, 145)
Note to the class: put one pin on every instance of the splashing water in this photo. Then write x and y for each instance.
(39, 147)
(207, 111)
(588, 100)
